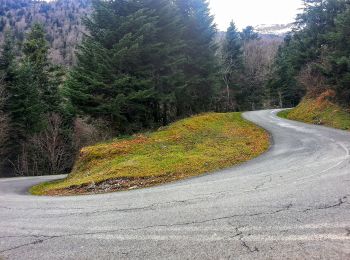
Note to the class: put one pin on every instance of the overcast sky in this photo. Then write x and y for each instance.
(254, 12)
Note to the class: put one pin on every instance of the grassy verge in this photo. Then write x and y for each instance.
(189, 147)
(284, 113)
(320, 112)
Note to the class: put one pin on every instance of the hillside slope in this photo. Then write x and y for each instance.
(321, 112)
(186, 148)
(62, 20)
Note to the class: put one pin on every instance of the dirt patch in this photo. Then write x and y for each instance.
(113, 185)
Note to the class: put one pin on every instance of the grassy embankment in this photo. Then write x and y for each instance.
(189, 147)
(320, 112)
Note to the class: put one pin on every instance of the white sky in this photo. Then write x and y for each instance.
(254, 12)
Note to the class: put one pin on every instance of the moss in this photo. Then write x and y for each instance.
(186, 148)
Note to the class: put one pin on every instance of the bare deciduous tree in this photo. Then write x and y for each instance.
(48, 152)
(312, 80)
(53, 146)
(87, 132)
(23, 164)
(230, 74)
(226, 74)
(259, 56)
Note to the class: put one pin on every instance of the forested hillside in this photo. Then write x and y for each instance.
(315, 58)
(62, 20)
(141, 65)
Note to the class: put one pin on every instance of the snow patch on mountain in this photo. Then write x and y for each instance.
(274, 29)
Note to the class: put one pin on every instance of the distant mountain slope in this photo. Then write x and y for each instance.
(61, 18)
(274, 29)
(63, 25)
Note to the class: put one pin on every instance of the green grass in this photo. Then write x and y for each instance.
(186, 148)
(284, 113)
(320, 112)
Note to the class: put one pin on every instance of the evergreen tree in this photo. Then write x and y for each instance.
(128, 68)
(32, 96)
(24, 104)
(283, 88)
(248, 34)
(168, 61)
(319, 42)
(35, 50)
(6, 79)
(201, 67)
(338, 57)
(7, 55)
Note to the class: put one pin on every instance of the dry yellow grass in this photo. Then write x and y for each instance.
(320, 112)
(186, 148)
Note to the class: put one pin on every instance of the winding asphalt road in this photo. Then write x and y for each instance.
(293, 202)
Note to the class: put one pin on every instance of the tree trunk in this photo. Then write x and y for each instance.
(228, 98)
(280, 99)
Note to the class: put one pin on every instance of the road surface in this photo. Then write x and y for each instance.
(292, 202)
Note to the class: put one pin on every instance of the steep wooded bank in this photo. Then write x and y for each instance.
(315, 58)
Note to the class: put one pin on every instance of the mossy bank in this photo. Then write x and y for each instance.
(189, 147)
(321, 112)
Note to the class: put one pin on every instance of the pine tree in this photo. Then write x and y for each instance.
(35, 50)
(169, 47)
(32, 96)
(314, 51)
(338, 57)
(7, 55)
(24, 104)
(233, 47)
(128, 74)
(6, 79)
(283, 87)
(201, 67)
(248, 34)
(107, 81)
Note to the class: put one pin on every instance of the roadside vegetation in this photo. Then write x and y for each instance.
(134, 71)
(314, 61)
(143, 68)
(189, 147)
(319, 112)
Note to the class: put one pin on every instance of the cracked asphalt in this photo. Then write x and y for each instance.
(293, 202)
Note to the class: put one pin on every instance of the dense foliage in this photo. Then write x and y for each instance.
(316, 57)
(142, 65)
(246, 65)
(33, 109)
(145, 63)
